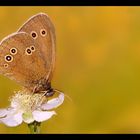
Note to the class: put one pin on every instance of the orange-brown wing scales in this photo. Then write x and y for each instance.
(46, 42)
(27, 66)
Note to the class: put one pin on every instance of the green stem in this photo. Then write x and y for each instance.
(34, 127)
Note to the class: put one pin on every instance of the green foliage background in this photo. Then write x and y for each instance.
(98, 67)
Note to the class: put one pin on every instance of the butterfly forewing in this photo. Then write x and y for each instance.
(41, 29)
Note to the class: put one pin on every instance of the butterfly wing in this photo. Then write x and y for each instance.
(21, 60)
(41, 29)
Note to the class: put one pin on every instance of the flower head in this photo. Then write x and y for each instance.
(29, 107)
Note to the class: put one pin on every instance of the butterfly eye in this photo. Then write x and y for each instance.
(6, 65)
(8, 58)
(13, 51)
(28, 51)
(32, 48)
(34, 34)
(43, 32)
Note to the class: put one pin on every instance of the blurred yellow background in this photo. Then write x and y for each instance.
(98, 67)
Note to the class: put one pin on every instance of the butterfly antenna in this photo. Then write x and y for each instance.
(66, 95)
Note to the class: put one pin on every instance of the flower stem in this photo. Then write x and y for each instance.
(34, 127)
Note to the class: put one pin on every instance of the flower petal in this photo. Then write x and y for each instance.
(3, 112)
(11, 118)
(53, 103)
(40, 116)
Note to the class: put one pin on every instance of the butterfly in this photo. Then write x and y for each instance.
(28, 55)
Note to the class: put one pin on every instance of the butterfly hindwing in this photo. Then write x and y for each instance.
(21, 60)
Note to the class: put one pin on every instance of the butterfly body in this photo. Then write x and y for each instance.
(28, 56)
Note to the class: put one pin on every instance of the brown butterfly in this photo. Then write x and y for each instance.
(28, 56)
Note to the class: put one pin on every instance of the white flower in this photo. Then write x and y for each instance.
(29, 107)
